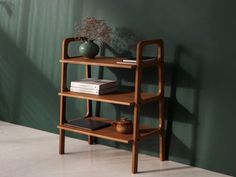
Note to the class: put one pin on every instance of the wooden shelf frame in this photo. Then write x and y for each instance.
(135, 99)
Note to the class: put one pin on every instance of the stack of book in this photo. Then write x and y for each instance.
(93, 86)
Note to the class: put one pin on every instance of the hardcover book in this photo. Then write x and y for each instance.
(89, 124)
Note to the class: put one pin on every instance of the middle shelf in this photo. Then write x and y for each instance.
(122, 98)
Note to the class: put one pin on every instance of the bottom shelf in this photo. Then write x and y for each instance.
(109, 132)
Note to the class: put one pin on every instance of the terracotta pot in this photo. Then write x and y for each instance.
(124, 126)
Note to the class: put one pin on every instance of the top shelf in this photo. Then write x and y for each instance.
(112, 61)
(107, 61)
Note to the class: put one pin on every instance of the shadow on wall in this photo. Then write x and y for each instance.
(27, 96)
(7, 6)
(182, 77)
(123, 44)
(186, 76)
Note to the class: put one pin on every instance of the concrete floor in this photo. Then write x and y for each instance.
(26, 152)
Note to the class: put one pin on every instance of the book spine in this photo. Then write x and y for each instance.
(92, 86)
(77, 89)
(85, 88)
(93, 91)
(130, 61)
(83, 85)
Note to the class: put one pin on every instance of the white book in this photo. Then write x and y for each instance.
(92, 83)
(133, 61)
(92, 91)
(87, 88)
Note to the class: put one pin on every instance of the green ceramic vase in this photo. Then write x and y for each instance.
(88, 49)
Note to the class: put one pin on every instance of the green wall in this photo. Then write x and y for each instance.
(200, 69)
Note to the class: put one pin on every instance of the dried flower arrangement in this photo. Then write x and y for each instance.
(91, 29)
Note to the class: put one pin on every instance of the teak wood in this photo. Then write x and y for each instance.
(135, 99)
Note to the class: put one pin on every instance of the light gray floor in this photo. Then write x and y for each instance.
(26, 152)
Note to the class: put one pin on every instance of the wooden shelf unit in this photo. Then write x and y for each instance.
(135, 99)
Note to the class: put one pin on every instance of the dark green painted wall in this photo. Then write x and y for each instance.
(200, 69)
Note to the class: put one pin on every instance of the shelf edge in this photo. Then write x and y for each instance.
(95, 99)
(77, 130)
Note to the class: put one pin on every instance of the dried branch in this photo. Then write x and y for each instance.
(93, 29)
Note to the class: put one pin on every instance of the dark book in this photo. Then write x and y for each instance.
(89, 124)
